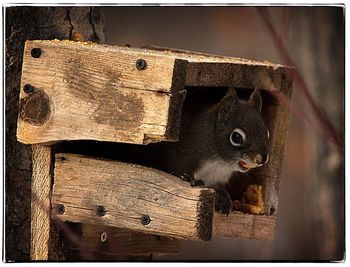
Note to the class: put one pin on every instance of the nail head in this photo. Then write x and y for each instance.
(101, 211)
(28, 89)
(103, 237)
(60, 209)
(36, 52)
(141, 64)
(145, 219)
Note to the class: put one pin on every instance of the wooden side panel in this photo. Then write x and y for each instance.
(277, 119)
(132, 197)
(214, 70)
(88, 91)
(247, 226)
(238, 75)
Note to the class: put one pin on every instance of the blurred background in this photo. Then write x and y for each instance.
(310, 220)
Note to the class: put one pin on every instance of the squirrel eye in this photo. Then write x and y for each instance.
(237, 137)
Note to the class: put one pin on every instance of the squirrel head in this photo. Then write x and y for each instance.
(240, 133)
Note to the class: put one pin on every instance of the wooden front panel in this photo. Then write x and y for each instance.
(94, 92)
(132, 196)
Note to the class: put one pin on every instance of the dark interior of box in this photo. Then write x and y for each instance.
(139, 154)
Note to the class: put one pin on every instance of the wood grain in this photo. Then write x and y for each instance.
(127, 192)
(95, 92)
(40, 203)
(214, 70)
(119, 241)
(244, 226)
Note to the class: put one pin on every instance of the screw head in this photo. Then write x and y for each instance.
(60, 209)
(28, 89)
(141, 64)
(103, 237)
(101, 211)
(145, 219)
(36, 52)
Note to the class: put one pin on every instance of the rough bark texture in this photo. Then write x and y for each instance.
(25, 23)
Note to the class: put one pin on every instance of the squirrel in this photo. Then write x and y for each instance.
(216, 141)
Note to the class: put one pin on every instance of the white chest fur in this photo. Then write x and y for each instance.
(215, 171)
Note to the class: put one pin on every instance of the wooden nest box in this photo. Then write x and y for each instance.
(73, 91)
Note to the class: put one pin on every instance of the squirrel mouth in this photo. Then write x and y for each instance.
(243, 165)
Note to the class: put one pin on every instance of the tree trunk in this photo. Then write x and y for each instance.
(24, 23)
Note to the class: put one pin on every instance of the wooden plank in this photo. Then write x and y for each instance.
(132, 196)
(45, 242)
(118, 241)
(194, 56)
(89, 91)
(276, 115)
(94, 65)
(245, 226)
(214, 70)
(40, 203)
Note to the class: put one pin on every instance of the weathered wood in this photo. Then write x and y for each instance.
(40, 205)
(247, 226)
(202, 70)
(276, 116)
(89, 91)
(132, 196)
(213, 70)
(43, 235)
(118, 241)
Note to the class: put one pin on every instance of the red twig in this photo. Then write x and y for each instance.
(277, 94)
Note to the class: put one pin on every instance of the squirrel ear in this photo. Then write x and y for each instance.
(255, 100)
(227, 107)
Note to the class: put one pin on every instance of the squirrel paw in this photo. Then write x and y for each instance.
(223, 201)
(193, 182)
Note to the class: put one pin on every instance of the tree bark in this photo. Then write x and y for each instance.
(32, 23)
